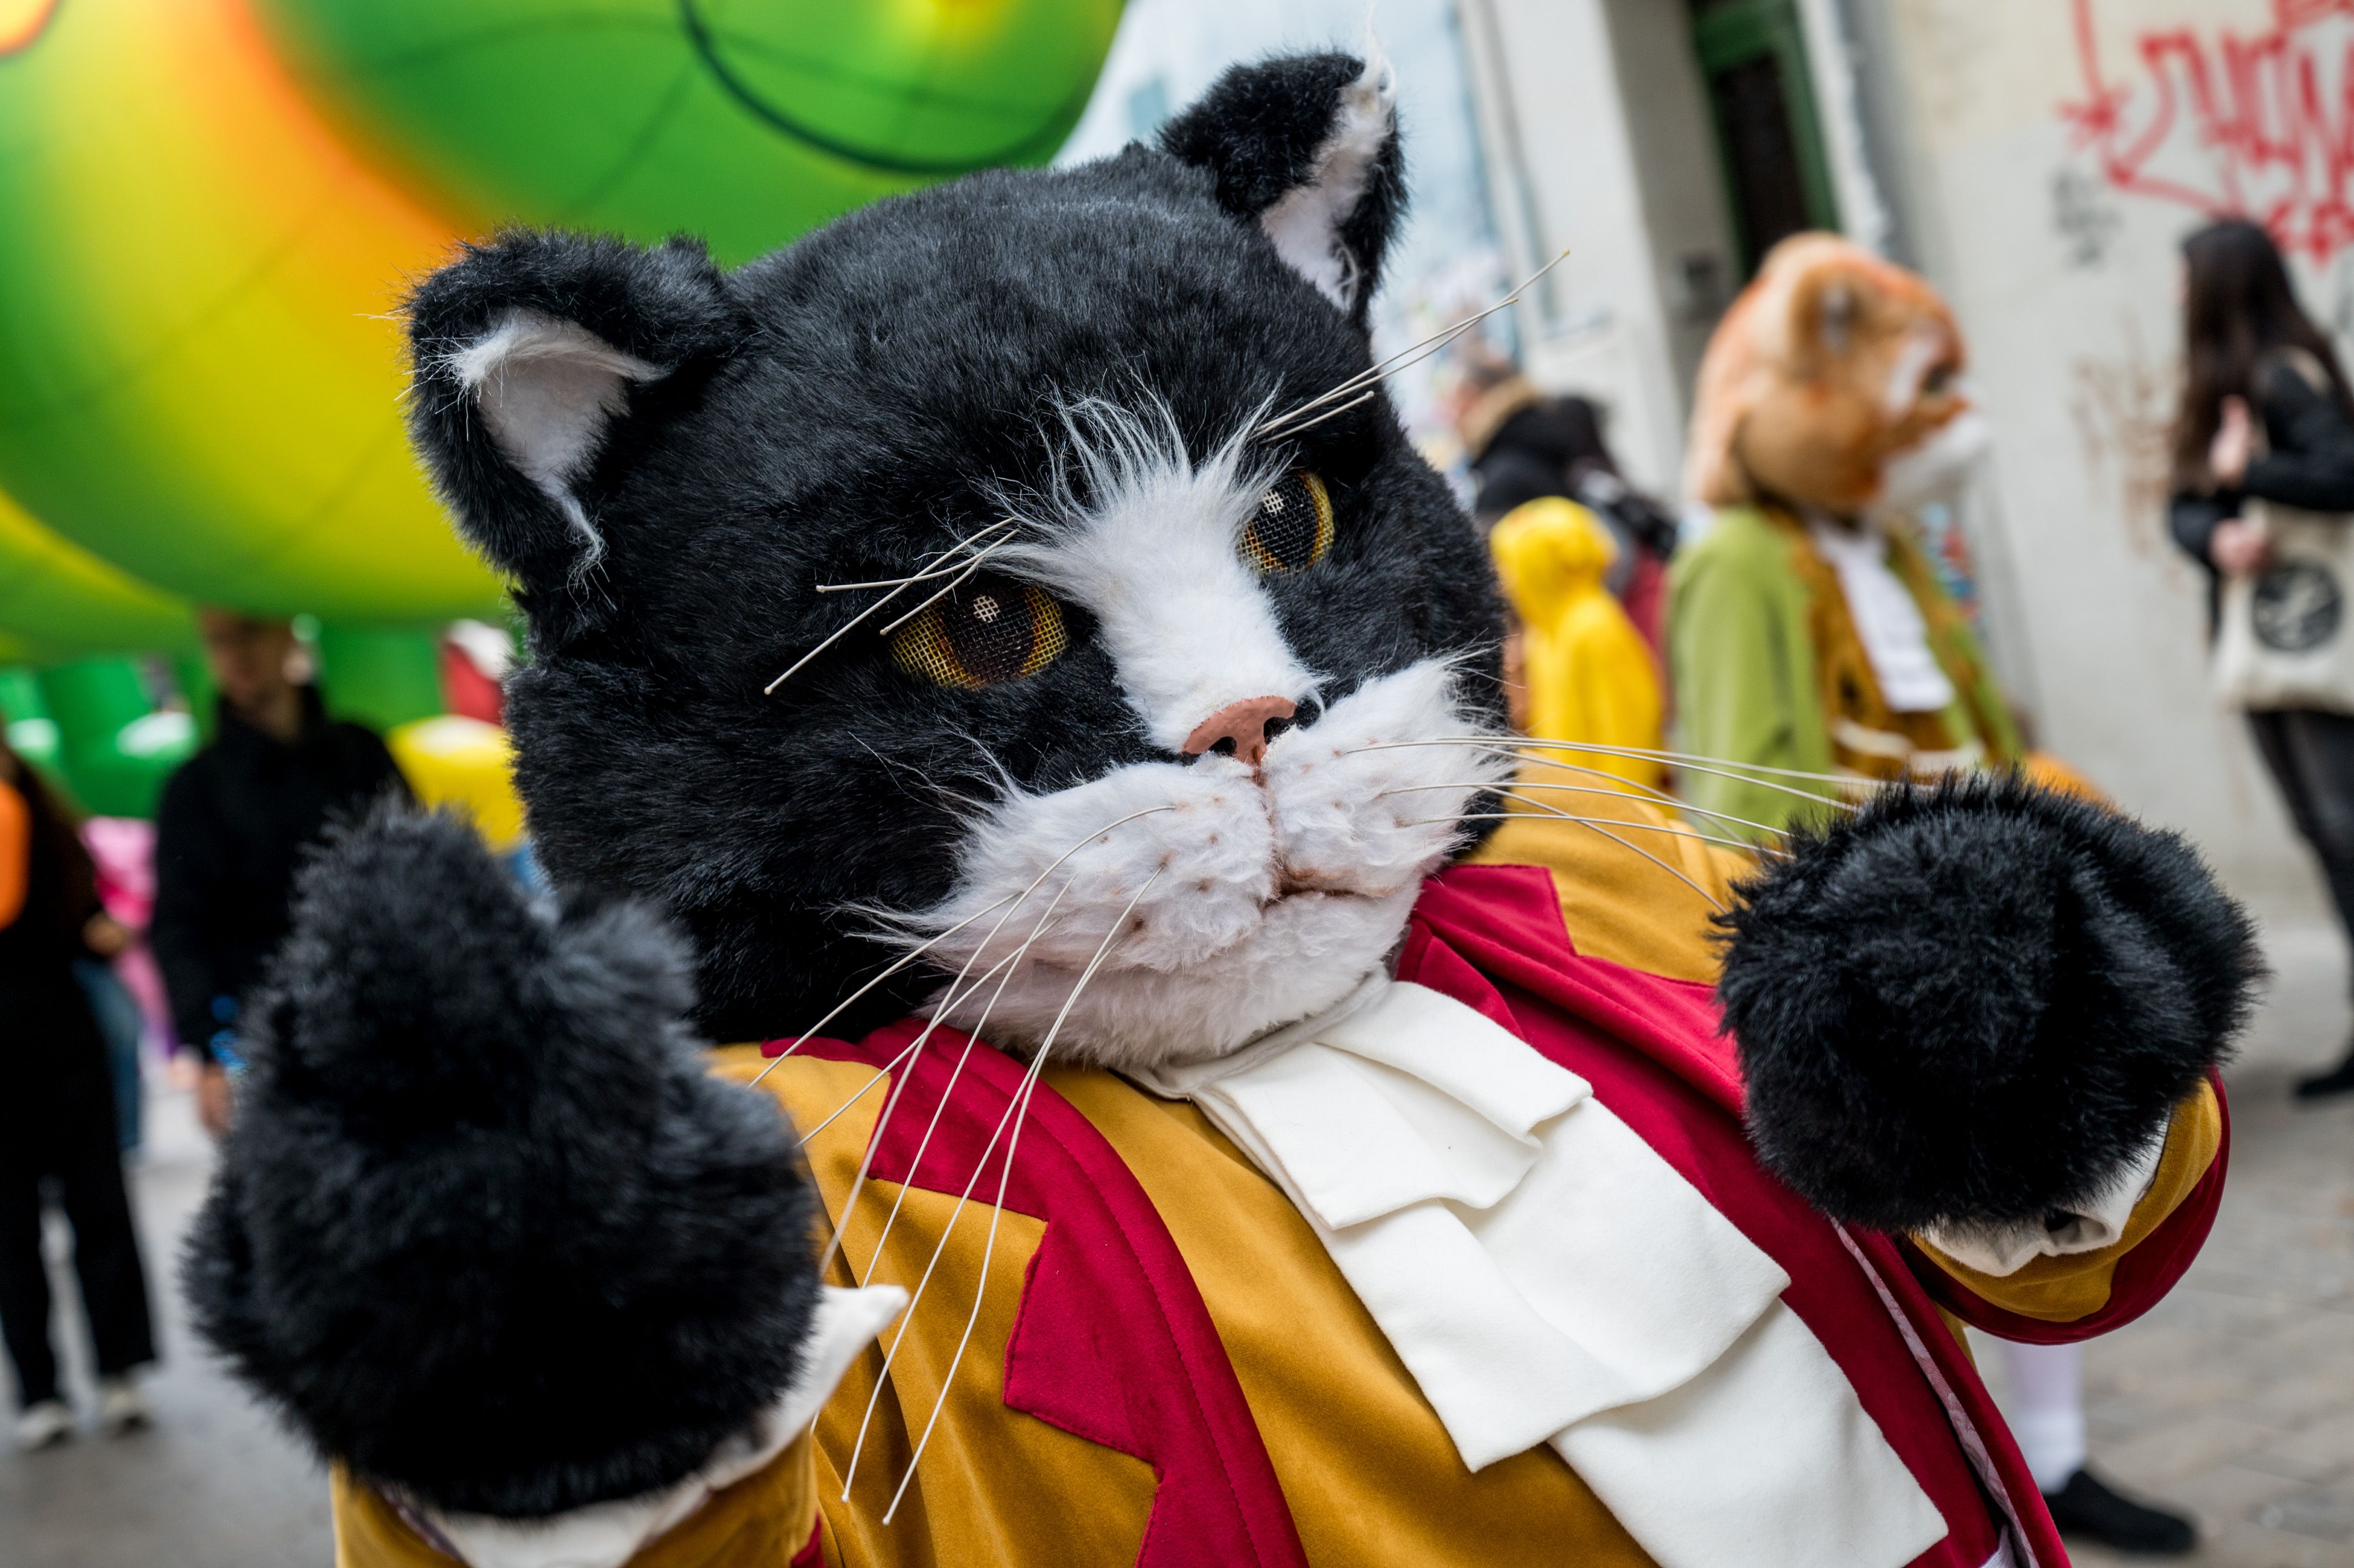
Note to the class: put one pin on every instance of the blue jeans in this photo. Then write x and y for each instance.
(117, 1015)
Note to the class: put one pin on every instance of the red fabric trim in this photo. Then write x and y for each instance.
(813, 1554)
(2143, 1276)
(1679, 1088)
(1506, 919)
(1112, 1342)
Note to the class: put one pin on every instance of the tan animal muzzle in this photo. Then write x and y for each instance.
(1242, 729)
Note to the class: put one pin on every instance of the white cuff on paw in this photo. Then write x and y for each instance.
(2004, 1250)
(608, 1535)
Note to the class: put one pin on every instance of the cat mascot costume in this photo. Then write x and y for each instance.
(1002, 652)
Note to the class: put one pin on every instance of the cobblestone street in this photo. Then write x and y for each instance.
(2233, 1399)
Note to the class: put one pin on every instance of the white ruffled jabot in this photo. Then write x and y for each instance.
(1548, 1277)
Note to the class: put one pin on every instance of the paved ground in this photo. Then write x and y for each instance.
(2234, 1398)
(214, 1483)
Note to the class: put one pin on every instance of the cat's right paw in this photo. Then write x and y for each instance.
(485, 1230)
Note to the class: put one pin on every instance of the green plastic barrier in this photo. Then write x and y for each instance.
(382, 677)
(115, 747)
(32, 733)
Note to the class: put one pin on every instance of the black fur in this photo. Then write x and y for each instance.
(486, 1227)
(884, 374)
(1257, 131)
(1978, 1003)
(666, 306)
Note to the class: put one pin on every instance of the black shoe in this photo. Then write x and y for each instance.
(2088, 1507)
(2338, 1080)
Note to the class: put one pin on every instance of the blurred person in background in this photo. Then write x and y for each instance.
(1524, 445)
(2266, 418)
(1579, 670)
(235, 821)
(1809, 632)
(57, 1125)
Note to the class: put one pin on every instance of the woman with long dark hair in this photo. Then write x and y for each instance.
(2266, 416)
(58, 1121)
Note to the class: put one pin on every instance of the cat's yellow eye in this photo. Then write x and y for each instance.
(1293, 527)
(990, 631)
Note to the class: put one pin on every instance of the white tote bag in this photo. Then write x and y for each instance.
(2284, 639)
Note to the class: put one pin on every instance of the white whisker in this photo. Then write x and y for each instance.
(1435, 341)
(1625, 792)
(896, 965)
(1333, 413)
(1671, 831)
(928, 1267)
(933, 568)
(1595, 824)
(1654, 793)
(847, 628)
(1004, 967)
(1005, 1177)
(1681, 760)
(971, 1036)
(955, 583)
(1679, 831)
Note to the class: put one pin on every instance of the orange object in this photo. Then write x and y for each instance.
(16, 853)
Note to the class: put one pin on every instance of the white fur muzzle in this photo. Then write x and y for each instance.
(1222, 903)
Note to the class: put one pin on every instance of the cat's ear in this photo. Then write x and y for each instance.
(522, 354)
(1307, 147)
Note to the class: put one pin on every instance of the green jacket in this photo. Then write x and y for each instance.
(1743, 633)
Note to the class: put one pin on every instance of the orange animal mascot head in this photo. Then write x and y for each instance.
(1832, 384)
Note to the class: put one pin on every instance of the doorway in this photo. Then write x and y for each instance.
(1753, 61)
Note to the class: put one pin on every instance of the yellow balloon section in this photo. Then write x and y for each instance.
(209, 210)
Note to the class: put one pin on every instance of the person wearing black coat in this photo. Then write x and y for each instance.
(57, 1119)
(2255, 360)
(236, 821)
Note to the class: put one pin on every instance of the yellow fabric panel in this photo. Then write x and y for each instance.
(1589, 673)
(2062, 1289)
(1638, 894)
(765, 1518)
(996, 1485)
(1369, 1473)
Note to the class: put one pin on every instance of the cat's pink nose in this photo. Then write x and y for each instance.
(1242, 729)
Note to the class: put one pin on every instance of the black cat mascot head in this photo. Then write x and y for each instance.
(1148, 637)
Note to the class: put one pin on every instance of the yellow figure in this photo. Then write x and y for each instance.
(463, 762)
(1588, 676)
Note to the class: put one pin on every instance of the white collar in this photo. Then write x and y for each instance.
(1548, 1277)
(1887, 621)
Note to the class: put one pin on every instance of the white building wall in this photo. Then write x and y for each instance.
(2065, 285)
(1956, 140)
(1561, 115)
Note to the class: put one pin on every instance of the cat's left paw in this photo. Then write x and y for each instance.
(1978, 1003)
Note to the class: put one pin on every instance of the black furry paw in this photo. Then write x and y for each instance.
(485, 1228)
(1978, 1001)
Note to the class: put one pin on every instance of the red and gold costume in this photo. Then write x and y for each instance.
(1166, 1367)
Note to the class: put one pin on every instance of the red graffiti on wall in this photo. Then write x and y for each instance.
(2258, 125)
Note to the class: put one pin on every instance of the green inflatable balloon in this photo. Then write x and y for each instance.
(209, 210)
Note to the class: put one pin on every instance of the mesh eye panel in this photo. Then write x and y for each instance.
(1294, 525)
(990, 630)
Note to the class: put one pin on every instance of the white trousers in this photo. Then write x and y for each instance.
(2047, 1408)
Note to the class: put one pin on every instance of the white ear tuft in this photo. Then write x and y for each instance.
(1305, 224)
(545, 389)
